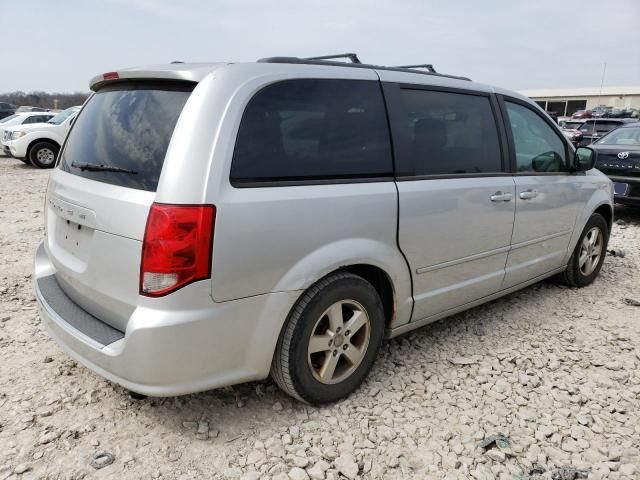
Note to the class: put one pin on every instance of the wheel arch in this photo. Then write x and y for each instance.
(380, 264)
(39, 140)
(381, 282)
(600, 203)
(607, 212)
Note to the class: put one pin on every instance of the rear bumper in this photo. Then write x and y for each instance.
(165, 353)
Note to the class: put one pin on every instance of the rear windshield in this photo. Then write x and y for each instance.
(122, 134)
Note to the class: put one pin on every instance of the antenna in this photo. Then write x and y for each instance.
(595, 120)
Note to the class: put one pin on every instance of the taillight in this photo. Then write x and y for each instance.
(177, 247)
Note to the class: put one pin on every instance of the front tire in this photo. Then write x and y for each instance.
(588, 256)
(43, 154)
(330, 340)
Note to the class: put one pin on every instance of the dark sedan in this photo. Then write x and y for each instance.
(6, 109)
(619, 159)
(595, 128)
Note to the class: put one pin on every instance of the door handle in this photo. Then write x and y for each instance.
(501, 197)
(529, 194)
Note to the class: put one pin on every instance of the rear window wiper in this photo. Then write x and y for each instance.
(92, 167)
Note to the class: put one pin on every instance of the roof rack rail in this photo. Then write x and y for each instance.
(351, 56)
(328, 60)
(426, 66)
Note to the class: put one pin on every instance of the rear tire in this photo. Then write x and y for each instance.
(330, 340)
(587, 258)
(43, 154)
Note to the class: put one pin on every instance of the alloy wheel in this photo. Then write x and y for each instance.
(590, 251)
(339, 341)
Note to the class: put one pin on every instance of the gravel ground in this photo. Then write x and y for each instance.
(553, 369)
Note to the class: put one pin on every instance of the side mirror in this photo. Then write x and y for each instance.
(585, 159)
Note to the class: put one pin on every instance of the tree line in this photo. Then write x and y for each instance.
(58, 101)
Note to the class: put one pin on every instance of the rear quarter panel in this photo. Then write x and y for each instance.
(282, 238)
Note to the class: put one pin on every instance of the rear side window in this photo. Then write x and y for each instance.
(451, 133)
(35, 119)
(313, 129)
(122, 134)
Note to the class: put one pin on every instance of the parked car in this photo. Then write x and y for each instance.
(6, 109)
(616, 113)
(26, 108)
(208, 224)
(619, 158)
(39, 143)
(26, 118)
(594, 128)
(571, 129)
(601, 111)
(582, 114)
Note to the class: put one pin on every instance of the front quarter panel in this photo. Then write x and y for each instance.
(22, 144)
(596, 190)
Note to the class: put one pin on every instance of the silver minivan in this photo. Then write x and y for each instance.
(211, 224)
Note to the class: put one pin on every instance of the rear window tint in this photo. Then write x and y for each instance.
(451, 133)
(125, 126)
(313, 129)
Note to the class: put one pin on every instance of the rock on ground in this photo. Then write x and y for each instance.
(552, 368)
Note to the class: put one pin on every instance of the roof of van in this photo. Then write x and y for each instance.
(195, 72)
(191, 72)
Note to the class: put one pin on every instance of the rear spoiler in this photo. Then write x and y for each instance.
(188, 72)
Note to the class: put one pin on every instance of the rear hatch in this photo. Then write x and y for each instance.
(99, 196)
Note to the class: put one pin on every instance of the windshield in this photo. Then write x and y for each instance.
(63, 115)
(588, 127)
(6, 119)
(122, 135)
(622, 136)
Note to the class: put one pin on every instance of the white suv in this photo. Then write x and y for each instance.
(39, 143)
(21, 118)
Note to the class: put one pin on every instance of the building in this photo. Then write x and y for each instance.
(566, 101)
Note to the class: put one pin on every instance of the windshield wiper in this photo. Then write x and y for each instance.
(92, 167)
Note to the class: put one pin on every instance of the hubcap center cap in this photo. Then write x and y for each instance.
(338, 340)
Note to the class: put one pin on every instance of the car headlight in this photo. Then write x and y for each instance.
(17, 135)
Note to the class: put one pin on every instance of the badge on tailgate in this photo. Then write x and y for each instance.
(74, 213)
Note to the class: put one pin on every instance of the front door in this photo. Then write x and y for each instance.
(547, 196)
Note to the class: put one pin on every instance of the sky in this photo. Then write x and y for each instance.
(57, 46)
